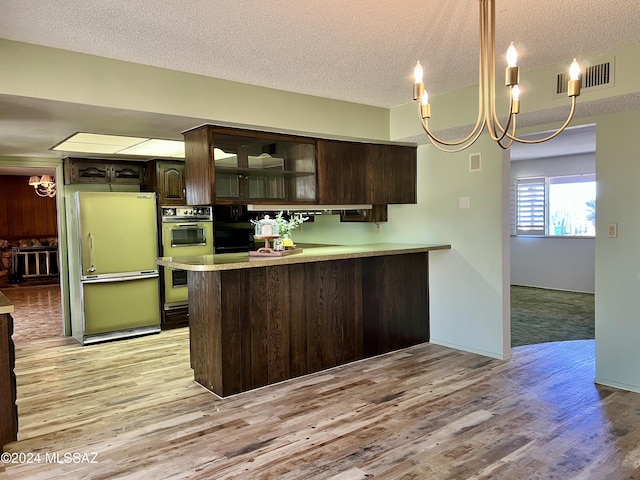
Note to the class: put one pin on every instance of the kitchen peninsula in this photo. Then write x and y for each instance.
(257, 321)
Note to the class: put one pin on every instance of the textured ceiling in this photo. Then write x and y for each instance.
(355, 50)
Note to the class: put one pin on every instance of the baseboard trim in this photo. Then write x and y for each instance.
(465, 348)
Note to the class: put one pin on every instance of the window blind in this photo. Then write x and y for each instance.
(530, 206)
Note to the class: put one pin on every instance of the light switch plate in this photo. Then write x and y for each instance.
(464, 202)
(613, 230)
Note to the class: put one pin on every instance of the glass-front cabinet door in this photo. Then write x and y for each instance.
(227, 176)
(249, 169)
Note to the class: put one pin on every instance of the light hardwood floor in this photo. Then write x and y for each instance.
(427, 412)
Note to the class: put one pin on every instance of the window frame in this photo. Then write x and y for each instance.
(539, 183)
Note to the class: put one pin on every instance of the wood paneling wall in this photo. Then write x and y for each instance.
(23, 214)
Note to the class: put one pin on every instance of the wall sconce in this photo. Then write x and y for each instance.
(44, 186)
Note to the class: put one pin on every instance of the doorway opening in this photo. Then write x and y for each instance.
(552, 242)
(30, 267)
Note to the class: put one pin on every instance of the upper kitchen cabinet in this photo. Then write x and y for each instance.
(393, 173)
(343, 173)
(96, 171)
(364, 173)
(231, 165)
(227, 165)
(167, 179)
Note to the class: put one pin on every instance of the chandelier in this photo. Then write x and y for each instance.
(44, 186)
(487, 117)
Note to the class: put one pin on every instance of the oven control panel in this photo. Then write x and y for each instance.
(180, 214)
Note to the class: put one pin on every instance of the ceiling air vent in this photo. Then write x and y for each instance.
(600, 75)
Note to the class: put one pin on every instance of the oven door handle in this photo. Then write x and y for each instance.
(181, 225)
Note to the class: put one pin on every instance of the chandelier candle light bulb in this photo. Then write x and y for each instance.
(425, 108)
(512, 56)
(512, 74)
(515, 99)
(418, 86)
(419, 93)
(573, 89)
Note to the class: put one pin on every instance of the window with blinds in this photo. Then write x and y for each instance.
(530, 206)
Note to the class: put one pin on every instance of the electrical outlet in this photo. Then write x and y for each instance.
(613, 230)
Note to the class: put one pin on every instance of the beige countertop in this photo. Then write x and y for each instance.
(234, 261)
(5, 305)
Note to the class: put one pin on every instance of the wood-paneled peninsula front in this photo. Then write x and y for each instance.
(8, 407)
(257, 321)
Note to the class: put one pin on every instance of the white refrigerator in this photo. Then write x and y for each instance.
(113, 276)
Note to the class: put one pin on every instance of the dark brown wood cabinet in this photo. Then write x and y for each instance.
(167, 179)
(235, 166)
(343, 173)
(103, 171)
(8, 408)
(352, 173)
(375, 214)
(392, 171)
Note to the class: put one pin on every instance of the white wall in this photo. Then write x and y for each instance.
(469, 296)
(554, 262)
(617, 295)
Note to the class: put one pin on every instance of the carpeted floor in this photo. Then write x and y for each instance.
(540, 315)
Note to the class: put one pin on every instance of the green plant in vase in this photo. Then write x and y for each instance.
(285, 227)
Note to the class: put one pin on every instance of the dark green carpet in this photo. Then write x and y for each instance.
(540, 315)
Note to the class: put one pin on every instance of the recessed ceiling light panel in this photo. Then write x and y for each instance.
(121, 145)
(156, 148)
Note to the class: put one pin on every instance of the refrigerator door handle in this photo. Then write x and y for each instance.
(92, 268)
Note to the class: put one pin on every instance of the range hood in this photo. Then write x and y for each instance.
(304, 208)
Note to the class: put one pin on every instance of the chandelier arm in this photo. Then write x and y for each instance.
(477, 130)
(510, 142)
(554, 134)
(46, 190)
(505, 130)
(487, 66)
(496, 130)
(487, 49)
(442, 145)
(459, 149)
